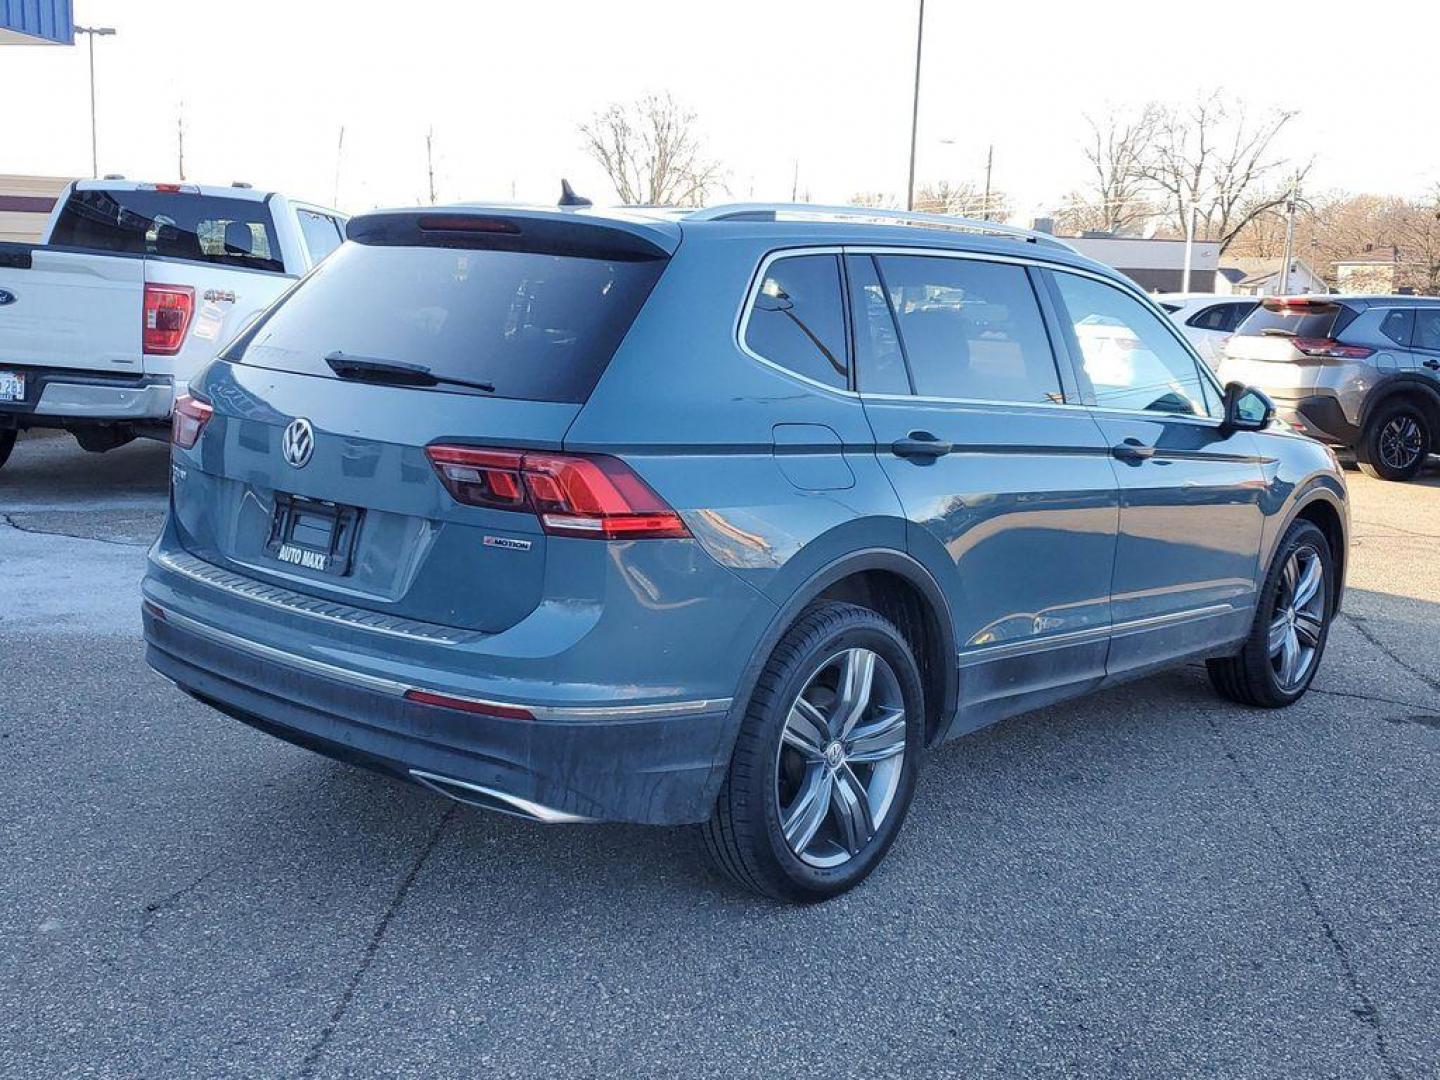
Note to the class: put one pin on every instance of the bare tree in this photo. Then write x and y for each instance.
(1215, 158)
(650, 150)
(1116, 199)
(1418, 244)
(963, 199)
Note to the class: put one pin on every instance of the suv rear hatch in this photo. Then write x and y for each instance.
(1299, 332)
(363, 442)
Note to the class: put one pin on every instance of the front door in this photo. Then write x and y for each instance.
(1005, 478)
(1191, 493)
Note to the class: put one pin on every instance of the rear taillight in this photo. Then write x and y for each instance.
(189, 420)
(572, 495)
(167, 317)
(1329, 348)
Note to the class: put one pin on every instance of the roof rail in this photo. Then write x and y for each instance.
(773, 212)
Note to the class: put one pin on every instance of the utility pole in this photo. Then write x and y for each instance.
(339, 150)
(1289, 234)
(795, 183)
(93, 32)
(180, 139)
(989, 164)
(1189, 246)
(915, 107)
(430, 161)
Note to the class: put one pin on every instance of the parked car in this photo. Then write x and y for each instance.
(1207, 319)
(1360, 372)
(135, 286)
(556, 514)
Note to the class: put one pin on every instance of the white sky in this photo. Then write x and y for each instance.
(265, 86)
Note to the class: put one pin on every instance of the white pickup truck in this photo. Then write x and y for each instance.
(134, 288)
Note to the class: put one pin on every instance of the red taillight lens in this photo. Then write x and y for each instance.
(189, 420)
(167, 317)
(470, 705)
(1330, 348)
(572, 494)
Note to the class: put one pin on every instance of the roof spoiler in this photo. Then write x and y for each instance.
(539, 231)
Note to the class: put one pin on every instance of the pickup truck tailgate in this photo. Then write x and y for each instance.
(73, 309)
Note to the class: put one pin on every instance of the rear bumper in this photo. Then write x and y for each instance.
(653, 764)
(58, 397)
(1320, 416)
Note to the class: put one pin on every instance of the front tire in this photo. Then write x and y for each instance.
(825, 763)
(1292, 624)
(7, 444)
(1395, 442)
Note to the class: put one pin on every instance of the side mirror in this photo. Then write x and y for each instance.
(1246, 409)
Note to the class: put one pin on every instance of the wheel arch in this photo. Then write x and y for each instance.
(1322, 508)
(1416, 389)
(896, 586)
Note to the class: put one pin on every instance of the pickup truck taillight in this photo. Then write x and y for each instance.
(586, 495)
(189, 420)
(167, 317)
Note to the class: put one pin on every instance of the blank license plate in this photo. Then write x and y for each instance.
(313, 535)
(12, 386)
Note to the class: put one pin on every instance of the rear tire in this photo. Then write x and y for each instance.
(1292, 623)
(1395, 442)
(7, 444)
(825, 763)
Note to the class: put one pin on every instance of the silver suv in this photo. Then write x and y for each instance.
(1361, 372)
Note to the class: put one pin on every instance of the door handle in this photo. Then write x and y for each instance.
(920, 444)
(1433, 365)
(1133, 451)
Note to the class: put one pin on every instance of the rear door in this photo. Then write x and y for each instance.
(1004, 476)
(321, 484)
(1191, 493)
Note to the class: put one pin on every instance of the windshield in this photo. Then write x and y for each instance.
(535, 326)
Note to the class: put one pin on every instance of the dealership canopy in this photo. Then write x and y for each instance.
(36, 22)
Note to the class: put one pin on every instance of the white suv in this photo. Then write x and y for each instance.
(1207, 319)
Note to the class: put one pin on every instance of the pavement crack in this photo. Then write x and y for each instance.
(1369, 697)
(317, 1048)
(1399, 529)
(9, 519)
(1365, 632)
(169, 900)
(1366, 1011)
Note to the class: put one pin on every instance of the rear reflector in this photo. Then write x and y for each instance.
(470, 705)
(586, 495)
(167, 317)
(189, 420)
(1331, 349)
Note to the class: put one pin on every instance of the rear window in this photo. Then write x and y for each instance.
(536, 326)
(1318, 320)
(176, 225)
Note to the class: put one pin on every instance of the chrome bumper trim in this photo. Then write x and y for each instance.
(100, 402)
(560, 713)
(513, 804)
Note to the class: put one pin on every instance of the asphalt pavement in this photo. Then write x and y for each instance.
(1145, 883)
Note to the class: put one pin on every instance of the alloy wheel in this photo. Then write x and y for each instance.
(1401, 442)
(841, 757)
(1298, 622)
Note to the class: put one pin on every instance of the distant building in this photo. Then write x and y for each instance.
(1375, 274)
(36, 22)
(1261, 277)
(1153, 264)
(25, 205)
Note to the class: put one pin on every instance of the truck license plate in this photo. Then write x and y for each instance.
(12, 386)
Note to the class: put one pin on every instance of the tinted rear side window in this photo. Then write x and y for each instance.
(797, 319)
(177, 225)
(971, 329)
(1397, 324)
(1427, 329)
(536, 326)
(1310, 321)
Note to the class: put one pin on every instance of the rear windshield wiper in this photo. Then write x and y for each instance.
(371, 369)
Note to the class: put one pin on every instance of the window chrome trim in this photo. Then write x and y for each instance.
(747, 308)
(976, 654)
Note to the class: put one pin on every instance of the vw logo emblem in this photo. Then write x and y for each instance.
(7, 297)
(298, 442)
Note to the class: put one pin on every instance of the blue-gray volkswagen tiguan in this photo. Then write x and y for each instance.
(724, 517)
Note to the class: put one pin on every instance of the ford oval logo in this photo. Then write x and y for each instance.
(7, 297)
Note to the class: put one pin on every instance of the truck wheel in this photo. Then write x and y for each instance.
(7, 444)
(1395, 442)
(1292, 623)
(826, 760)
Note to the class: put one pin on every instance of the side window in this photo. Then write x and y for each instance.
(1131, 359)
(797, 319)
(879, 361)
(1427, 329)
(970, 329)
(322, 233)
(1237, 314)
(1215, 317)
(1397, 324)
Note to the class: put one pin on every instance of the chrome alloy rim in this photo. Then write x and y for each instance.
(1299, 618)
(1400, 442)
(840, 758)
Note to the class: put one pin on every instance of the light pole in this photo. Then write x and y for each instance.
(93, 32)
(915, 107)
